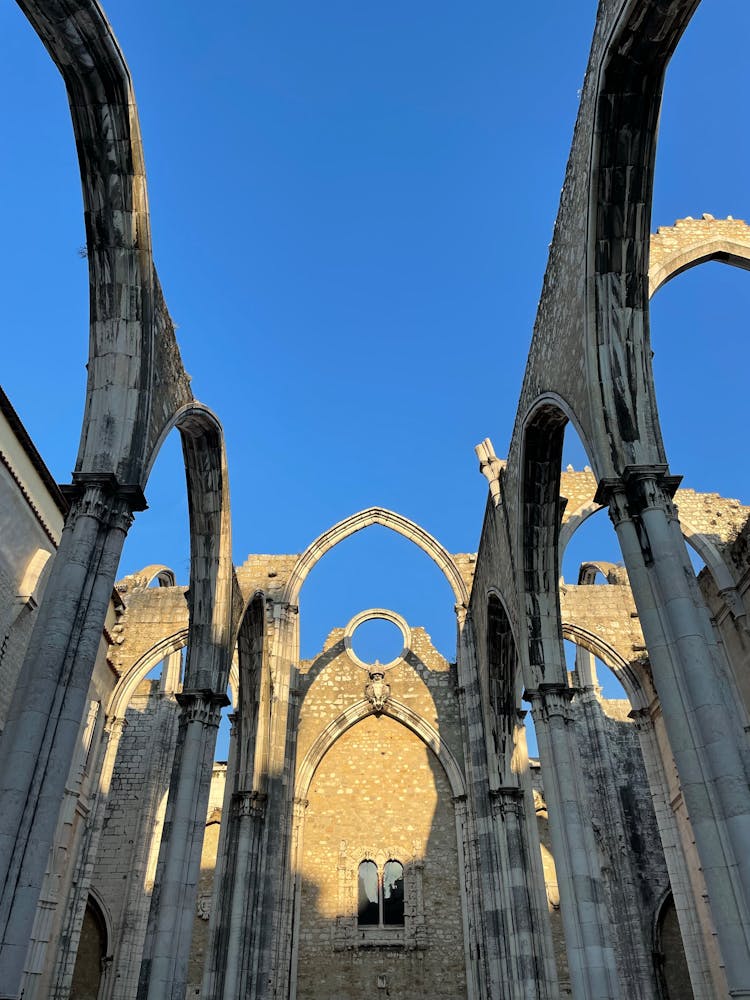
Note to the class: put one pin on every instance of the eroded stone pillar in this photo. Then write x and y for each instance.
(167, 948)
(71, 934)
(528, 974)
(700, 719)
(686, 881)
(38, 743)
(591, 958)
(240, 895)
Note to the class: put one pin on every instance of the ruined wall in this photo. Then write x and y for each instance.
(129, 846)
(634, 878)
(379, 793)
(31, 520)
(209, 854)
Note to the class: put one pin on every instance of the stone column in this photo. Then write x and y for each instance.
(113, 729)
(483, 933)
(166, 952)
(217, 929)
(241, 898)
(39, 740)
(634, 949)
(527, 975)
(529, 951)
(591, 959)
(686, 881)
(700, 719)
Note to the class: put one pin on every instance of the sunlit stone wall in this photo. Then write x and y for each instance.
(380, 793)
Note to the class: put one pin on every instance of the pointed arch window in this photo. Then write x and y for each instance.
(380, 894)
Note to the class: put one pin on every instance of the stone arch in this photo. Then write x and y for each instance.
(254, 696)
(394, 710)
(145, 577)
(93, 948)
(135, 673)
(35, 576)
(503, 667)
(637, 685)
(702, 543)
(671, 965)
(364, 519)
(211, 572)
(541, 457)
(690, 242)
(126, 350)
(588, 570)
(640, 45)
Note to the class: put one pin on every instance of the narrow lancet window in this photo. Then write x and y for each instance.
(393, 893)
(368, 913)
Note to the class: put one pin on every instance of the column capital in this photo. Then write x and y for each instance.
(114, 725)
(202, 706)
(249, 803)
(642, 719)
(506, 799)
(96, 494)
(640, 486)
(551, 700)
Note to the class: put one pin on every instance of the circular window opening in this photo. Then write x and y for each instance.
(377, 639)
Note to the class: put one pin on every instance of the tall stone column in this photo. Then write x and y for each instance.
(483, 930)
(528, 974)
(591, 959)
(167, 948)
(242, 875)
(700, 720)
(38, 743)
(71, 934)
(686, 881)
(635, 950)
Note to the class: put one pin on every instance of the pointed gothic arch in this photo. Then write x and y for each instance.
(364, 519)
(394, 710)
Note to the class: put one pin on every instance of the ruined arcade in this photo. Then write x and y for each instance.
(381, 828)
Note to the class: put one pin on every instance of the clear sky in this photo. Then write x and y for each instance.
(351, 208)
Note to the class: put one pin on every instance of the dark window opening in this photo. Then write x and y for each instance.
(368, 911)
(393, 893)
(380, 895)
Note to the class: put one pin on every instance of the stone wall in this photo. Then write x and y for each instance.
(379, 793)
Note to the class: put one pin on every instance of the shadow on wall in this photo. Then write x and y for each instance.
(379, 796)
(128, 851)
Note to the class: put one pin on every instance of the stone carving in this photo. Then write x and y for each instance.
(376, 689)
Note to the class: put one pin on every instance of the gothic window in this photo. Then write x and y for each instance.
(368, 910)
(393, 893)
(380, 894)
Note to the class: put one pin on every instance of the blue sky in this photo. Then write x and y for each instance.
(351, 209)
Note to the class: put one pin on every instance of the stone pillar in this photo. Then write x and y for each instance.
(167, 948)
(527, 974)
(699, 716)
(217, 928)
(591, 959)
(686, 881)
(297, 842)
(635, 951)
(38, 743)
(240, 906)
(71, 933)
(483, 931)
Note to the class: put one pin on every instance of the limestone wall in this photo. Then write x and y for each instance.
(379, 793)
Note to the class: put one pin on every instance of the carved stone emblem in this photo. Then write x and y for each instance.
(376, 689)
(203, 907)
